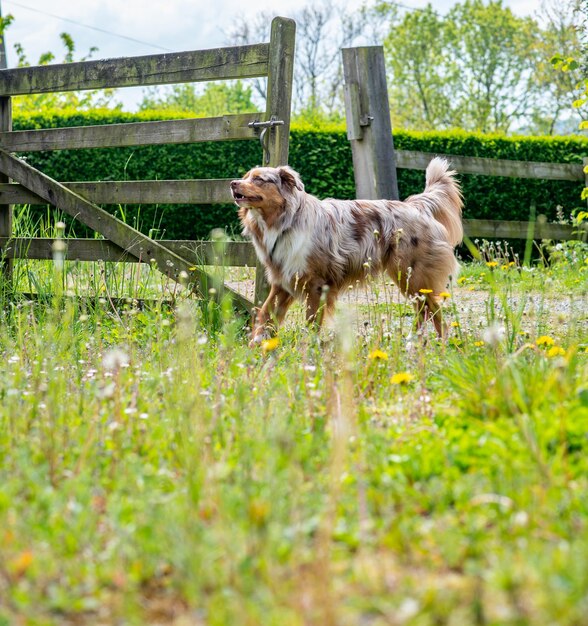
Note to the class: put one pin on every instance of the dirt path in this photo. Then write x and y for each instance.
(471, 309)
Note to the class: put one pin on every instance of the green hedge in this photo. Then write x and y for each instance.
(323, 158)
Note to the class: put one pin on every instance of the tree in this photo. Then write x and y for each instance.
(422, 74)
(495, 54)
(217, 99)
(78, 99)
(559, 33)
(321, 31)
(480, 67)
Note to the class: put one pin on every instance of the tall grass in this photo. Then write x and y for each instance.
(155, 471)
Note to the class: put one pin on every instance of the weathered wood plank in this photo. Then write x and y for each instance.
(368, 122)
(128, 238)
(158, 69)
(413, 160)
(5, 207)
(279, 88)
(519, 230)
(230, 254)
(205, 191)
(225, 128)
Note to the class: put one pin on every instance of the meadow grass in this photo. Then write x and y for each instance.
(155, 470)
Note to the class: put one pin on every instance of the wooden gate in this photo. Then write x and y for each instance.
(80, 200)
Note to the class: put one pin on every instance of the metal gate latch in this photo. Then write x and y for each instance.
(263, 140)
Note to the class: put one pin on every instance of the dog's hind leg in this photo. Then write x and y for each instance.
(423, 289)
(271, 314)
(431, 309)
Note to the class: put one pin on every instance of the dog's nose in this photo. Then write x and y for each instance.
(234, 183)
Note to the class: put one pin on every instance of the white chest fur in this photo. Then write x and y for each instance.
(290, 251)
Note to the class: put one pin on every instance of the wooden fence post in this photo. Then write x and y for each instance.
(279, 99)
(368, 123)
(6, 264)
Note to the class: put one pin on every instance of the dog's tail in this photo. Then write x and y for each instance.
(446, 201)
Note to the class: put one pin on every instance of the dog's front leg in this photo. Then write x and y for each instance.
(271, 314)
(320, 302)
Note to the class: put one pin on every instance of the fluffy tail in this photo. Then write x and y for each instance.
(446, 201)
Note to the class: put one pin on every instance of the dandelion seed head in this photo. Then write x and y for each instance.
(115, 358)
(494, 334)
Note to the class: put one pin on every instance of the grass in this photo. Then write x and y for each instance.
(154, 471)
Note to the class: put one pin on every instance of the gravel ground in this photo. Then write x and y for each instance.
(471, 309)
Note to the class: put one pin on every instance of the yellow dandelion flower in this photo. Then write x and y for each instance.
(504, 267)
(512, 264)
(378, 355)
(402, 378)
(556, 351)
(455, 324)
(21, 563)
(444, 294)
(544, 340)
(267, 345)
(461, 280)
(492, 263)
(259, 511)
(478, 343)
(425, 291)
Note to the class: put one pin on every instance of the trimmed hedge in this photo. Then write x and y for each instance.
(322, 157)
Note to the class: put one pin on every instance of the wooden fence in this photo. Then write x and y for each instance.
(372, 146)
(274, 60)
(80, 200)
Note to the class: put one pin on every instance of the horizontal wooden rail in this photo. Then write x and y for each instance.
(205, 191)
(228, 127)
(158, 69)
(407, 159)
(522, 230)
(230, 254)
(242, 253)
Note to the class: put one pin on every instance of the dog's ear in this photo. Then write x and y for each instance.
(290, 179)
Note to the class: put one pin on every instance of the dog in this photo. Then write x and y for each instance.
(312, 249)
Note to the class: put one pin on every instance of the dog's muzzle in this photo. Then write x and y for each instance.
(241, 198)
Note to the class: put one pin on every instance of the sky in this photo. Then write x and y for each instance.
(139, 27)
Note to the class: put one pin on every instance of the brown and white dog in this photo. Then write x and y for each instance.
(313, 248)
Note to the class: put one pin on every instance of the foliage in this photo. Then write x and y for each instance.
(567, 65)
(561, 34)
(216, 99)
(323, 157)
(153, 472)
(83, 100)
(479, 67)
(321, 31)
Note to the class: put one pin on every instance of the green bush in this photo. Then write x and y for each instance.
(323, 158)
